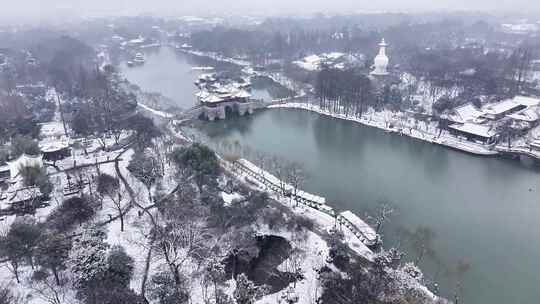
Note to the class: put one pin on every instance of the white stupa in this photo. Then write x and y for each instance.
(381, 61)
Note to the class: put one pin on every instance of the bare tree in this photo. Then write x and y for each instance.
(179, 241)
(110, 187)
(293, 265)
(279, 168)
(296, 178)
(46, 288)
(384, 211)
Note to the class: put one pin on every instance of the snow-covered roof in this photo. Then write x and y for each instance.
(136, 41)
(359, 224)
(465, 113)
(48, 146)
(520, 27)
(500, 107)
(202, 94)
(212, 99)
(52, 129)
(528, 115)
(242, 94)
(527, 101)
(475, 129)
(208, 77)
(313, 62)
(312, 58)
(24, 194)
(333, 55)
(535, 143)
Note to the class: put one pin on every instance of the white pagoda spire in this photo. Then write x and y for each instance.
(381, 61)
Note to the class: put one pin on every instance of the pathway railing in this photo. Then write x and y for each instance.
(301, 197)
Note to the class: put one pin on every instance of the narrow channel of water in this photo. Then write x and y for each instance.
(479, 215)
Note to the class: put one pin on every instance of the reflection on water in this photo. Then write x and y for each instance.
(169, 72)
(464, 218)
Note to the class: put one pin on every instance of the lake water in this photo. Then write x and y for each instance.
(483, 212)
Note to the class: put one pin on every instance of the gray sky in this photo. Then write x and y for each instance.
(41, 9)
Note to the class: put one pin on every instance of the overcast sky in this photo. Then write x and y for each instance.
(34, 9)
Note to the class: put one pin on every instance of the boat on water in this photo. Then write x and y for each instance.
(137, 60)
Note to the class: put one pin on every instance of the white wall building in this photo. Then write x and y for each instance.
(24, 161)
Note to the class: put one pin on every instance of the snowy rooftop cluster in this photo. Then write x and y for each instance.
(469, 119)
(53, 137)
(475, 129)
(520, 28)
(335, 59)
(222, 95)
(53, 145)
(51, 129)
(214, 89)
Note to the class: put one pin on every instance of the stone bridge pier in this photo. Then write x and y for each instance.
(220, 111)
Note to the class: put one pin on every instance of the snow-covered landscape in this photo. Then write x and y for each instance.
(235, 157)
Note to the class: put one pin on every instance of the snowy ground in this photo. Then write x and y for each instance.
(156, 112)
(322, 220)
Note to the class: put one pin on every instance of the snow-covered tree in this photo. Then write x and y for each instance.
(52, 253)
(147, 170)
(413, 271)
(88, 256)
(164, 290)
(246, 291)
(7, 296)
(199, 160)
(120, 267)
(20, 243)
(49, 289)
(109, 186)
(215, 272)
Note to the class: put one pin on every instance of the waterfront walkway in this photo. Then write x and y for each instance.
(376, 122)
(526, 151)
(359, 228)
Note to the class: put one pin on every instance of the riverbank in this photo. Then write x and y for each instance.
(357, 235)
(496, 202)
(382, 120)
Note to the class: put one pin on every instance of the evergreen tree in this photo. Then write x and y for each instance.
(246, 292)
(53, 252)
(88, 257)
(120, 267)
(20, 243)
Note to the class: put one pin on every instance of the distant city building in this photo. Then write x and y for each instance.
(381, 61)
